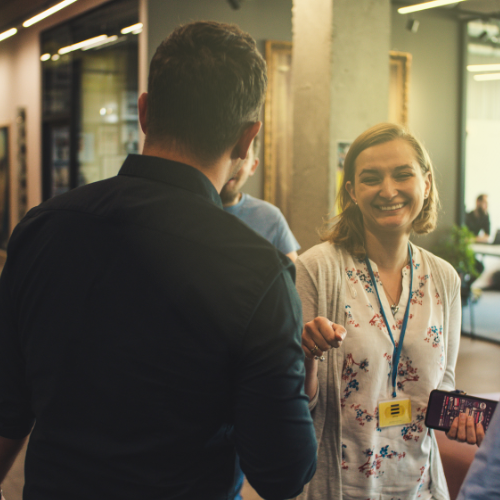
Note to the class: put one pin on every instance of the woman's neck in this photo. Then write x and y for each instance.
(389, 252)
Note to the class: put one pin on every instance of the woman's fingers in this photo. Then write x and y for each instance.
(464, 430)
(452, 432)
(471, 430)
(320, 335)
(479, 433)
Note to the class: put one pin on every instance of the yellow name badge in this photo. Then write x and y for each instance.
(394, 412)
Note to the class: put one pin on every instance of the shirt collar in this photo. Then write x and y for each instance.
(170, 172)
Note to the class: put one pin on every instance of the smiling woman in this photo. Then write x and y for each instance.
(400, 306)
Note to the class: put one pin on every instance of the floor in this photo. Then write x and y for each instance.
(478, 372)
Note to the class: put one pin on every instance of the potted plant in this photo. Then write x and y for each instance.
(457, 251)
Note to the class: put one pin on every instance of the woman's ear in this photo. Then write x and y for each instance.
(349, 186)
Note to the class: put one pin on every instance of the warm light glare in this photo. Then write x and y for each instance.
(45, 57)
(56, 57)
(483, 67)
(427, 5)
(101, 42)
(487, 76)
(85, 43)
(132, 29)
(48, 12)
(7, 33)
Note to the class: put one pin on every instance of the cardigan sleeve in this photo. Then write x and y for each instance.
(454, 328)
(308, 292)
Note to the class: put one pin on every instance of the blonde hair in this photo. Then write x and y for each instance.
(348, 228)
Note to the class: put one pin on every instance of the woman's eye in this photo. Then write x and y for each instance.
(404, 175)
(369, 180)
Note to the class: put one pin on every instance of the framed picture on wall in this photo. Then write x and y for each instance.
(278, 131)
(399, 87)
(4, 187)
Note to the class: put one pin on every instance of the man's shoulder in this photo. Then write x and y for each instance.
(250, 202)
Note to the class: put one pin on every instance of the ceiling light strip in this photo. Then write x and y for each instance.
(85, 43)
(487, 77)
(101, 42)
(427, 5)
(131, 29)
(483, 67)
(48, 12)
(7, 34)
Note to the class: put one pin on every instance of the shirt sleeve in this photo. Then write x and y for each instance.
(273, 430)
(284, 240)
(483, 478)
(16, 417)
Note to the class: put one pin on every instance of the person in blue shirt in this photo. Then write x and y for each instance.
(263, 217)
(483, 479)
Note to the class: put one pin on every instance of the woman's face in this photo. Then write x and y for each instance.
(389, 187)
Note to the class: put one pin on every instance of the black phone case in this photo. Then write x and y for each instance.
(453, 394)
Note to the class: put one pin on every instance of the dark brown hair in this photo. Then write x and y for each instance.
(348, 228)
(207, 82)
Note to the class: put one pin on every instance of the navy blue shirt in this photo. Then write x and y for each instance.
(149, 336)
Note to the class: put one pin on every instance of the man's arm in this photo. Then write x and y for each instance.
(292, 256)
(9, 449)
(274, 434)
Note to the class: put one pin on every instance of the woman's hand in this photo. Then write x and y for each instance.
(464, 430)
(320, 335)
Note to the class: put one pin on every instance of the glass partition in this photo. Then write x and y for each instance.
(482, 158)
(90, 85)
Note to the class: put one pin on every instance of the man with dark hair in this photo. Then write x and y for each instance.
(263, 217)
(478, 221)
(146, 336)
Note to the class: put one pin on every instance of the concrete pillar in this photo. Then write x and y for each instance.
(340, 88)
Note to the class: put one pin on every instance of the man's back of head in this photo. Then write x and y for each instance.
(207, 82)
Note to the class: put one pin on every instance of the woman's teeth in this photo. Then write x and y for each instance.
(392, 207)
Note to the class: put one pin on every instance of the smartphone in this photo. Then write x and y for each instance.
(444, 406)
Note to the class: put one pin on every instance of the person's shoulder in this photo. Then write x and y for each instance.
(323, 255)
(244, 245)
(250, 202)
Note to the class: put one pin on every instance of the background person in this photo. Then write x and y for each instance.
(483, 477)
(478, 221)
(263, 217)
(136, 335)
(401, 308)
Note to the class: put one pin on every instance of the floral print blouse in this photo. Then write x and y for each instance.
(389, 463)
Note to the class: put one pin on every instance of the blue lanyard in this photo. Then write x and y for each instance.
(397, 350)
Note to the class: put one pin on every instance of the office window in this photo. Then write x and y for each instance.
(90, 85)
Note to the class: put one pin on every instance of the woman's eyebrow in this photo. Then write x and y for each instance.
(376, 171)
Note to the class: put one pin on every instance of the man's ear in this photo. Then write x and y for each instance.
(241, 148)
(254, 166)
(142, 104)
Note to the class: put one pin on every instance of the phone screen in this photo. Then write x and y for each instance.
(443, 407)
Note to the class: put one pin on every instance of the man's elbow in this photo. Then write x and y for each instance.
(290, 480)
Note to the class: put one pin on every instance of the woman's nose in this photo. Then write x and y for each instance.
(388, 189)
